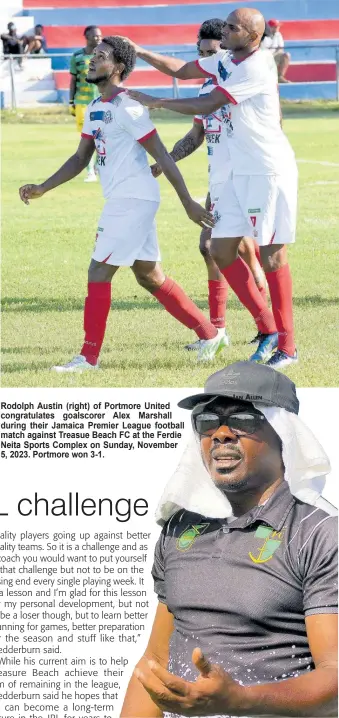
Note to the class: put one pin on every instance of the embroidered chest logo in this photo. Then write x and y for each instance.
(272, 541)
(187, 538)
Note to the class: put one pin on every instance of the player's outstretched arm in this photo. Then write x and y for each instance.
(172, 66)
(194, 211)
(184, 147)
(188, 106)
(72, 167)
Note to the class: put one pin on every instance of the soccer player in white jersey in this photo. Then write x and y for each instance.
(121, 131)
(261, 192)
(213, 128)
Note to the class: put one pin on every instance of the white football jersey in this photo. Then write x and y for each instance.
(119, 126)
(216, 127)
(256, 142)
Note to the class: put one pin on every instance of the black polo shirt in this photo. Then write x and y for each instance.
(240, 590)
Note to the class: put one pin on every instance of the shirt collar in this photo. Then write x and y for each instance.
(238, 62)
(274, 512)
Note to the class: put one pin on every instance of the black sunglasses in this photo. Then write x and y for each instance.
(206, 423)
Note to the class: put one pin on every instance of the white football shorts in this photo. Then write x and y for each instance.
(127, 232)
(260, 206)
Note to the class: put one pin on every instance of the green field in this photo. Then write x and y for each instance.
(46, 249)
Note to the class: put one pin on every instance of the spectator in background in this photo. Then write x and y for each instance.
(35, 44)
(275, 43)
(12, 45)
(81, 93)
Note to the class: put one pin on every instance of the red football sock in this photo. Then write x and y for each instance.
(217, 298)
(177, 303)
(241, 279)
(280, 286)
(97, 306)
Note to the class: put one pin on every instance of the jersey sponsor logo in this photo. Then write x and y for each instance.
(254, 211)
(224, 74)
(216, 216)
(209, 152)
(272, 541)
(213, 138)
(100, 146)
(187, 538)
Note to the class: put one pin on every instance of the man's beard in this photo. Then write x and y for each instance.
(99, 78)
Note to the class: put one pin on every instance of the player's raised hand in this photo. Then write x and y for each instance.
(156, 170)
(30, 191)
(131, 42)
(147, 100)
(199, 214)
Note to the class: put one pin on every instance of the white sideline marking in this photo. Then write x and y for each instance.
(319, 162)
(314, 184)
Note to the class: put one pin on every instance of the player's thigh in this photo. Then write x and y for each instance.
(126, 232)
(228, 216)
(80, 111)
(286, 209)
(149, 251)
(258, 197)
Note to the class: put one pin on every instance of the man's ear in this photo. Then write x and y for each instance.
(120, 68)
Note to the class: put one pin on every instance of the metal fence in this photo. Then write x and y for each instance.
(15, 60)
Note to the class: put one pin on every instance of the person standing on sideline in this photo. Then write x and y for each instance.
(275, 43)
(80, 92)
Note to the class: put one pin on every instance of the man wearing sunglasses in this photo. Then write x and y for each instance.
(245, 571)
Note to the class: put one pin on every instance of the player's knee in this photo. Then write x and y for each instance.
(99, 272)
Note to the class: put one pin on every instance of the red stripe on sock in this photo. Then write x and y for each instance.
(181, 307)
(280, 286)
(97, 306)
(241, 279)
(217, 298)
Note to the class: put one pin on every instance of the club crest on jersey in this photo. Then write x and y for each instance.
(272, 541)
(108, 117)
(187, 538)
(222, 71)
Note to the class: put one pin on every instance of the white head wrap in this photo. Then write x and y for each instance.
(306, 465)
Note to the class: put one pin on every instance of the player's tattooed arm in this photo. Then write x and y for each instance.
(188, 144)
(72, 167)
(184, 147)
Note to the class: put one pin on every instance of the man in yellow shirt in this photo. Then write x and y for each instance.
(81, 93)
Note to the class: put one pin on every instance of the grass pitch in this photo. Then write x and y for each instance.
(46, 249)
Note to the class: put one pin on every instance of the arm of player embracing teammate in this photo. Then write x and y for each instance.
(172, 66)
(184, 147)
(72, 167)
(137, 701)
